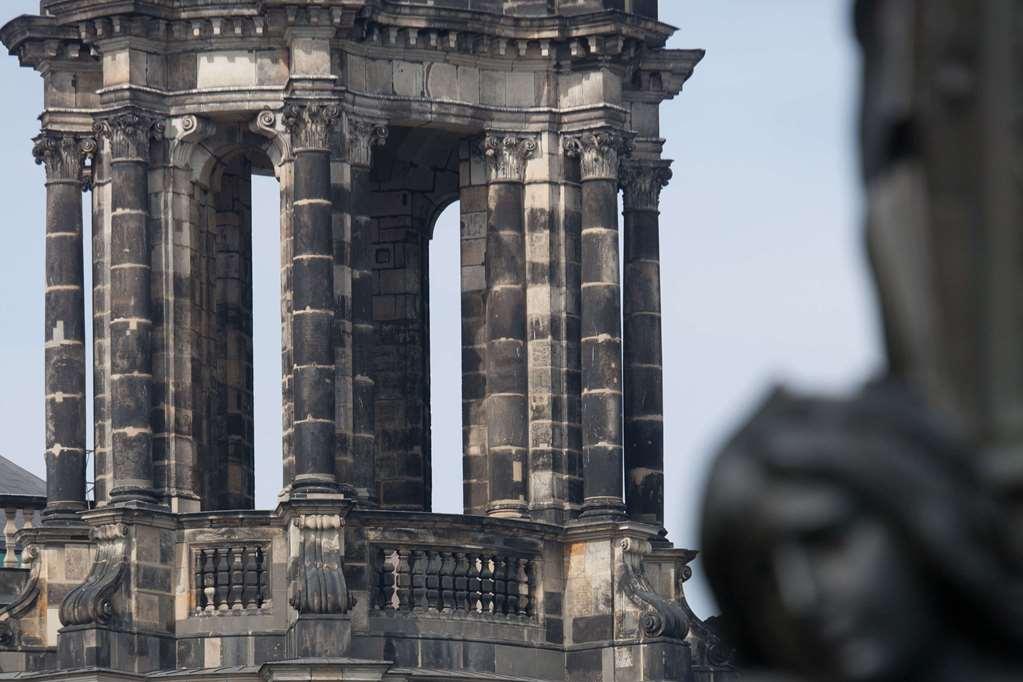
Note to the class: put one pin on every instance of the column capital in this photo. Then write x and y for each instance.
(63, 154)
(600, 152)
(310, 123)
(362, 136)
(642, 182)
(130, 132)
(506, 155)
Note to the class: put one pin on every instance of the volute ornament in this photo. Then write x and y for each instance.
(63, 155)
(24, 601)
(310, 124)
(642, 182)
(130, 133)
(93, 600)
(600, 152)
(506, 155)
(363, 135)
(315, 566)
(660, 617)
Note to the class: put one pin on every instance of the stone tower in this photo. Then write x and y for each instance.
(373, 115)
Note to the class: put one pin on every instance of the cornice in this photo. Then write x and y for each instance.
(603, 37)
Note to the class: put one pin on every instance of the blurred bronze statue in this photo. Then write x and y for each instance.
(878, 537)
(849, 539)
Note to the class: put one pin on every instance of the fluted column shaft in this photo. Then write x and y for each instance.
(313, 294)
(131, 327)
(507, 369)
(62, 155)
(599, 154)
(644, 403)
(362, 137)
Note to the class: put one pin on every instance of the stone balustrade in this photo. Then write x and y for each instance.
(231, 577)
(480, 583)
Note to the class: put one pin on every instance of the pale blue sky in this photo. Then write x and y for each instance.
(763, 270)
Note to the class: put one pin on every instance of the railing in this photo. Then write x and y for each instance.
(474, 584)
(233, 577)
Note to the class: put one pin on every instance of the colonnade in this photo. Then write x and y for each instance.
(620, 397)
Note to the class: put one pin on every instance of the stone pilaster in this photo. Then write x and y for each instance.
(129, 133)
(507, 368)
(62, 155)
(644, 404)
(600, 153)
(309, 123)
(363, 136)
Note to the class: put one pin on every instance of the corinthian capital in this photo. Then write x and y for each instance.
(130, 132)
(310, 124)
(63, 155)
(506, 155)
(642, 182)
(362, 137)
(600, 152)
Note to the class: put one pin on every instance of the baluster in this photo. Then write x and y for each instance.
(197, 583)
(522, 578)
(387, 579)
(264, 577)
(250, 591)
(10, 530)
(500, 585)
(475, 585)
(447, 581)
(461, 573)
(209, 578)
(433, 565)
(404, 578)
(223, 579)
(234, 595)
(486, 585)
(419, 580)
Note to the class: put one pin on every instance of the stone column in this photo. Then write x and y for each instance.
(313, 294)
(599, 153)
(131, 325)
(62, 155)
(362, 137)
(507, 371)
(644, 407)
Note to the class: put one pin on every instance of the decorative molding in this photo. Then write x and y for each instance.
(707, 646)
(310, 123)
(130, 132)
(185, 133)
(92, 601)
(64, 156)
(363, 135)
(642, 182)
(506, 155)
(600, 152)
(315, 576)
(660, 617)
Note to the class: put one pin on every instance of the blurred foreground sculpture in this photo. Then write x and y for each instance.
(876, 537)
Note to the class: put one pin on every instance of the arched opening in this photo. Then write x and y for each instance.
(267, 339)
(446, 361)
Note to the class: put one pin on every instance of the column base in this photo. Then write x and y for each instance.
(609, 508)
(320, 636)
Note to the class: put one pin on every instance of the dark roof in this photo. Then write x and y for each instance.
(15, 481)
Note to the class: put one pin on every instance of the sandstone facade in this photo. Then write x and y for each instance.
(374, 115)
